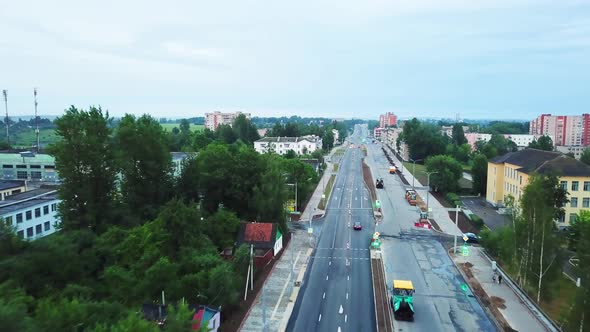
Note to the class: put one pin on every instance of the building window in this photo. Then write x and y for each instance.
(47, 226)
(586, 185)
(575, 185)
(19, 218)
(562, 218)
(29, 214)
(563, 185)
(16, 191)
(572, 217)
(35, 166)
(586, 202)
(53, 207)
(21, 234)
(35, 175)
(8, 220)
(574, 202)
(21, 166)
(37, 212)
(45, 209)
(30, 232)
(39, 229)
(21, 175)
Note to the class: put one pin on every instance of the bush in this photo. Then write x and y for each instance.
(457, 203)
(451, 197)
(476, 220)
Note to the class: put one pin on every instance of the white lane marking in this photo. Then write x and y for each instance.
(341, 310)
(324, 296)
(347, 277)
(347, 296)
(320, 318)
(339, 330)
(345, 318)
(326, 277)
(330, 263)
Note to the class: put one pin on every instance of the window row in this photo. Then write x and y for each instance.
(575, 185)
(38, 230)
(29, 214)
(585, 202)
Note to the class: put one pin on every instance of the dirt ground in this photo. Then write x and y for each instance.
(368, 177)
(464, 224)
(492, 304)
(232, 318)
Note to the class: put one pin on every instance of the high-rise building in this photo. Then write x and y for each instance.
(387, 120)
(566, 130)
(213, 120)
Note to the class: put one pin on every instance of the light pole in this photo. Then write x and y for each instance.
(456, 224)
(428, 191)
(413, 170)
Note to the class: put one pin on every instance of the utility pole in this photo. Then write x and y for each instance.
(5, 93)
(36, 119)
(456, 224)
(428, 192)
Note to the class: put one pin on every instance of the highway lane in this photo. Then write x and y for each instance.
(337, 291)
(417, 254)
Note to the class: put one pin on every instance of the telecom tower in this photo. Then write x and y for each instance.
(36, 119)
(5, 93)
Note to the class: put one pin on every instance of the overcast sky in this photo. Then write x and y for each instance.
(478, 58)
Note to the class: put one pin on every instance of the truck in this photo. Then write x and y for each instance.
(392, 169)
(411, 196)
(402, 300)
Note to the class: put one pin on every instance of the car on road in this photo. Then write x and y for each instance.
(357, 226)
(471, 238)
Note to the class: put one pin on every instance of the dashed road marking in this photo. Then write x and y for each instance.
(326, 277)
(324, 296)
(320, 318)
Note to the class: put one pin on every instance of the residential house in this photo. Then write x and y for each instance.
(281, 145)
(32, 213)
(509, 174)
(213, 120)
(266, 239)
(157, 313)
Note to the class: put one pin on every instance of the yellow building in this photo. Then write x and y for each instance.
(509, 174)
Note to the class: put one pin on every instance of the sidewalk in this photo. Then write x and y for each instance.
(274, 303)
(439, 213)
(502, 299)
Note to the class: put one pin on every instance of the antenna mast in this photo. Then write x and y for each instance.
(5, 93)
(36, 119)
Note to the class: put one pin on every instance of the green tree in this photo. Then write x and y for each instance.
(187, 184)
(458, 135)
(580, 314)
(576, 228)
(10, 243)
(202, 139)
(14, 304)
(226, 134)
(328, 140)
(479, 171)
(244, 130)
(86, 165)
(544, 143)
(449, 171)
(132, 323)
(179, 319)
(146, 164)
(423, 140)
(222, 228)
(585, 157)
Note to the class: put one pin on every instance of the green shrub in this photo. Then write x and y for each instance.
(476, 220)
(457, 203)
(451, 197)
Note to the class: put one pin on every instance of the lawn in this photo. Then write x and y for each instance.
(27, 138)
(335, 167)
(423, 178)
(170, 126)
(563, 297)
(327, 191)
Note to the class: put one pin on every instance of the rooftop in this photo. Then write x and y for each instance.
(284, 139)
(8, 184)
(24, 157)
(544, 162)
(27, 199)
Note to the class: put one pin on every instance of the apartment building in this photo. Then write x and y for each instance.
(389, 136)
(566, 130)
(32, 213)
(213, 120)
(387, 120)
(509, 174)
(448, 130)
(521, 140)
(281, 145)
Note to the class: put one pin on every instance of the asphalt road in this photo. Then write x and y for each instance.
(337, 291)
(418, 255)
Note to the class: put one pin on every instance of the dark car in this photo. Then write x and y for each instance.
(357, 226)
(471, 238)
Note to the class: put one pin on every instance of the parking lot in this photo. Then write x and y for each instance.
(486, 211)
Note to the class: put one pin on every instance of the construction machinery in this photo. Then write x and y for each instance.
(411, 196)
(392, 169)
(423, 220)
(379, 183)
(402, 300)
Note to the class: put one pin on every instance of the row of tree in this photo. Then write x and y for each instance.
(131, 230)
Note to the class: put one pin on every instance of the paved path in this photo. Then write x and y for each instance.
(516, 313)
(274, 303)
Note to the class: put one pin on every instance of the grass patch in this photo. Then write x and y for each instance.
(466, 168)
(170, 126)
(465, 184)
(565, 294)
(28, 138)
(327, 190)
(420, 174)
(336, 167)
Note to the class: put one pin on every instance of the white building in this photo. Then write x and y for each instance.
(213, 120)
(523, 141)
(576, 150)
(32, 213)
(336, 136)
(281, 145)
(448, 130)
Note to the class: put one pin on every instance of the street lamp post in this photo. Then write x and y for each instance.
(413, 170)
(428, 191)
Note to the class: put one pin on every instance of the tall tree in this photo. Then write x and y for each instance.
(245, 130)
(585, 157)
(479, 171)
(579, 318)
(544, 143)
(449, 171)
(85, 162)
(458, 135)
(146, 164)
(328, 140)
